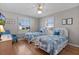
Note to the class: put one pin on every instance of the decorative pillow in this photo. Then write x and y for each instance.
(44, 30)
(61, 32)
(56, 33)
(40, 31)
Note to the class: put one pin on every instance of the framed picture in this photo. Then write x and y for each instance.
(64, 21)
(69, 21)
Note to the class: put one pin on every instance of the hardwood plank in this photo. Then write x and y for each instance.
(24, 48)
(6, 48)
(70, 50)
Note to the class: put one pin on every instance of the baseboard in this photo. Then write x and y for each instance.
(75, 45)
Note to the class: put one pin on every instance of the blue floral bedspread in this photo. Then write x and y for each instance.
(30, 35)
(50, 43)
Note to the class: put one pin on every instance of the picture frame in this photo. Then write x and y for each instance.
(70, 21)
(64, 21)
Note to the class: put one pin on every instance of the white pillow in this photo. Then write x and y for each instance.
(61, 32)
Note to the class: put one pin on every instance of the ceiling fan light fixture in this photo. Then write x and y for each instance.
(39, 12)
(39, 9)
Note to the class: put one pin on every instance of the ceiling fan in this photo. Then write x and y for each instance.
(39, 8)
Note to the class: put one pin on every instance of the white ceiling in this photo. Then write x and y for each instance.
(30, 9)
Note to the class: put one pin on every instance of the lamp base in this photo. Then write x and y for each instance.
(0, 37)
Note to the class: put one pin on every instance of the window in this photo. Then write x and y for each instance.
(24, 24)
(50, 22)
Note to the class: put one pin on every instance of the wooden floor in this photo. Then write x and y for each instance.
(24, 48)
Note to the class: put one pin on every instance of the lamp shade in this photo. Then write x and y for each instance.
(2, 28)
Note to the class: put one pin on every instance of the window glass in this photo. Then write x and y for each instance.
(50, 22)
(24, 24)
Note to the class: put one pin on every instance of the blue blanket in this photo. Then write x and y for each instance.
(50, 43)
(30, 35)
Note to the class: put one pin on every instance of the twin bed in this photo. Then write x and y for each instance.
(31, 35)
(53, 43)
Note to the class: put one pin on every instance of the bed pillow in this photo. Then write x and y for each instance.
(56, 33)
(61, 32)
(43, 30)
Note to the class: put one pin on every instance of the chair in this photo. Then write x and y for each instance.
(14, 38)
